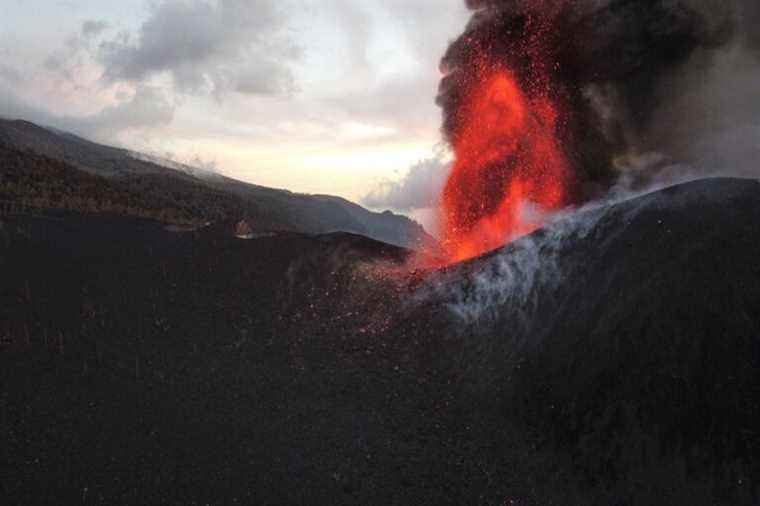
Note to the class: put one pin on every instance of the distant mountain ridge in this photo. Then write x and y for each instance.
(197, 172)
(206, 195)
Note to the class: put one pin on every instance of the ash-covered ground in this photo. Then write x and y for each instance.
(610, 358)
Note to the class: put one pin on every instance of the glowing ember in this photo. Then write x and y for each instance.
(508, 165)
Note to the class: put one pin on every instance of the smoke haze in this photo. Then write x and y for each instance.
(636, 77)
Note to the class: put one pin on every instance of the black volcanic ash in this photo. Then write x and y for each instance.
(609, 61)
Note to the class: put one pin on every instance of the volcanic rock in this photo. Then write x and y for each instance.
(609, 358)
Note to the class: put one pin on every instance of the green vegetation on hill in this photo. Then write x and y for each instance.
(205, 201)
(38, 181)
(175, 193)
(41, 182)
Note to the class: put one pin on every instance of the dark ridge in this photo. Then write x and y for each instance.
(627, 339)
(206, 196)
(613, 359)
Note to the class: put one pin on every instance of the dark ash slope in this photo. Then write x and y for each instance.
(629, 338)
(612, 358)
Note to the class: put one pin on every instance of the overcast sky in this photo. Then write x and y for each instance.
(328, 96)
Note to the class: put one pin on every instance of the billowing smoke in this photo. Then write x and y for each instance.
(629, 77)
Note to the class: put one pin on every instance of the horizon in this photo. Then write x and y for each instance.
(335, 100)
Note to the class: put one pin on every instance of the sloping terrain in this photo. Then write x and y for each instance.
(85, 155)
(628, 338)
(213, 195)
(611, 358)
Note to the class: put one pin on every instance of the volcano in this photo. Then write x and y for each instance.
(611, 357)
(627, 335)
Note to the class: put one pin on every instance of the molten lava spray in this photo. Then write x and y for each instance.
(509, 165)
(508, 162)
(539, 98)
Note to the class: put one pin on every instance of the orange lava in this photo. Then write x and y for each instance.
(508, 169)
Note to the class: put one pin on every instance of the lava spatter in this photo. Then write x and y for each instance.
(508, 164)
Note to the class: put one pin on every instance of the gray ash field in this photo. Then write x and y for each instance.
(610, 358)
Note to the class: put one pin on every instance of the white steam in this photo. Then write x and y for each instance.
(508, 282)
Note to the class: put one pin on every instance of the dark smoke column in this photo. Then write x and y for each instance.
(600, 61)
(504, 128)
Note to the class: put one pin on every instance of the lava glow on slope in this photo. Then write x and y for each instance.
(508, 168)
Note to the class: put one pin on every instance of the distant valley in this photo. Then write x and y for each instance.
(47, 168)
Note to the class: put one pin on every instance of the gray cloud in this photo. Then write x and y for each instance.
(10, 74)
(376, 73)
(356, 22)
(67, 60)
(260, 78)
(11, 107)
(419, 189)
(147, 108)
(403, 99)
(93, 28)
(229, 45)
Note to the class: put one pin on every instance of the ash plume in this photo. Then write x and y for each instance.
(633, 77)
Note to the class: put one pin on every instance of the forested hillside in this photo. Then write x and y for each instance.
(170, 191)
